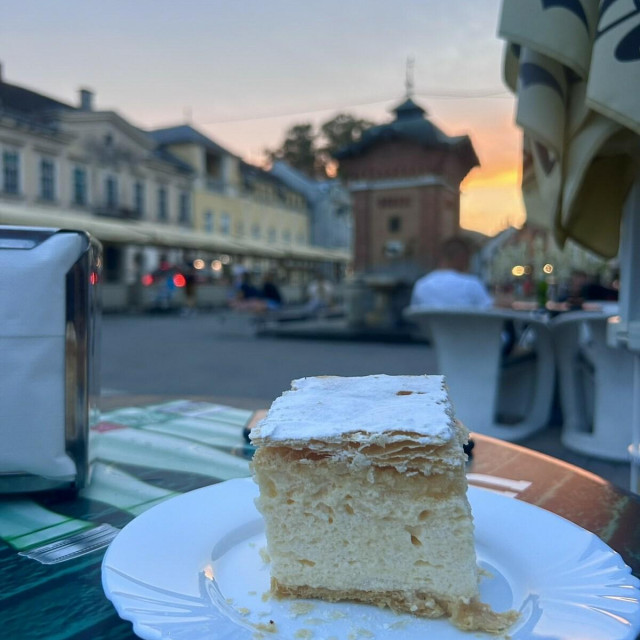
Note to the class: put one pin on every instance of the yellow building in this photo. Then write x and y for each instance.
(170, 195)
(75, 167)
(237, 199)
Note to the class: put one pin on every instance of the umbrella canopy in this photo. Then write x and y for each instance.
(575, 68)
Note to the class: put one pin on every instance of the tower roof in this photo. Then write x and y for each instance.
(410, 123)
(409, 109)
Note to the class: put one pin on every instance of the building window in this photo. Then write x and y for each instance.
(255, 231)
(184, 209)
(395, 224)
(111, 192)
(80, 186)
(225, 223)
(209, 221)
(271, 236)
(163, 212)
(138, 198)
(11, 172)
(394, 202)
(286, 236)
(47, 179)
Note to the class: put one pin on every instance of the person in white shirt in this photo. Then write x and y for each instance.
(450, 286)
(320, 294)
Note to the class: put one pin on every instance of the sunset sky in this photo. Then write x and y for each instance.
(243, 72)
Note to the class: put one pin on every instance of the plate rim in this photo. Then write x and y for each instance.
(475, 494)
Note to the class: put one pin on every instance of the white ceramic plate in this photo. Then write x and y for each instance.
(192, 568)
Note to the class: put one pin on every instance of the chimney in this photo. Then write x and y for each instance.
(86, 100)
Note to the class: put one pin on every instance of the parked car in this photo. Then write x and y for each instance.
(162, 285)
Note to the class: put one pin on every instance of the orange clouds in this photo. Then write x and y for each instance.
(492, 201)
(508, 176)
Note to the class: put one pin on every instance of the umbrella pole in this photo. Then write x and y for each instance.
(626, 332)
(634, 448)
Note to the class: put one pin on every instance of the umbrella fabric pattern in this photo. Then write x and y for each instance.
(575, 68)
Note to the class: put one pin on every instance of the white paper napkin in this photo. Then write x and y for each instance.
(32, 357)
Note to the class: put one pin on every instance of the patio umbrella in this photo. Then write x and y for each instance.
(574, 66)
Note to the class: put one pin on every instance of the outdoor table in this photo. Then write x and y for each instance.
(149, 450)
(505, 391)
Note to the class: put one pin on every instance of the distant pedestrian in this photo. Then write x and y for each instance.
(190, 283)
(320, 293)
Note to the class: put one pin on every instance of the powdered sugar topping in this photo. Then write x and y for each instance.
(329, 408)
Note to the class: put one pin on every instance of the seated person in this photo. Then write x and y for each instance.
(270, 292)
(250, 298)
(451, 285)
(582, 290)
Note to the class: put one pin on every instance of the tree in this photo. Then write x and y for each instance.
(298, 149)
(341, 131)
(312, 151)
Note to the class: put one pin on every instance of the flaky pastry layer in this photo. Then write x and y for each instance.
(468, 616)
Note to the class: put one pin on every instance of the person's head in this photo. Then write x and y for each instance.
(455, 253)
(577, 280)
(269, 276)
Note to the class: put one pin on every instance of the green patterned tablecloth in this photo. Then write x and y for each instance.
(146, 454)
(140, 457)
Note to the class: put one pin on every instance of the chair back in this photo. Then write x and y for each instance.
(468, 345)
(596, 386)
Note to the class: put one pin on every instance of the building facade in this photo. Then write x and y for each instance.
(404, 178)
(57, 159)
(150, 197)
(234, 198)
(116, 171)
(329, 206)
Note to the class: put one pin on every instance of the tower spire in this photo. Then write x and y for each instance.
(408, 82)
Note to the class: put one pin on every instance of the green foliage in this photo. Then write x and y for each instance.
(341, 131)
(311, 151)
(298, 149)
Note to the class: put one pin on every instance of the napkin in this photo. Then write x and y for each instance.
(32, 356)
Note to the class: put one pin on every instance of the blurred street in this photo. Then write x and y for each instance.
(200, 355)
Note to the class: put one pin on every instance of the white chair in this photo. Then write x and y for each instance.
(508, 398)
(596, 386)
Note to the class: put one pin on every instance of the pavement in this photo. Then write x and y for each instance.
(337, 328)
(226, 355)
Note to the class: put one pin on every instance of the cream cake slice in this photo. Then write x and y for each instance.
(363, 492)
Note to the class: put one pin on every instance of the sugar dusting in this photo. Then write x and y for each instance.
(330, 407)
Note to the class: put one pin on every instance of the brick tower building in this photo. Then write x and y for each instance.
(404, 177)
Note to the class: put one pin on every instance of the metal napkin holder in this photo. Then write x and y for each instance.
(50, 313)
